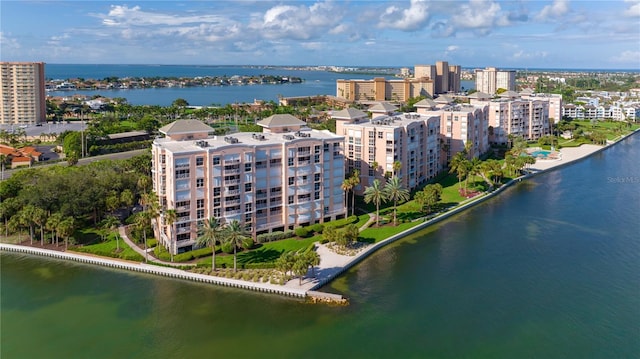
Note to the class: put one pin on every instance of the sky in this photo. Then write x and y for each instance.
(471, 33)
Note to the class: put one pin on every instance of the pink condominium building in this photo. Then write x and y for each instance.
(22, 97)
(285, 177)
(372, 146)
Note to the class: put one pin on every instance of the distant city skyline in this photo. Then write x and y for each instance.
(476, 33)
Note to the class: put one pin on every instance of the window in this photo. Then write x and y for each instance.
(247, 187)
(216, 160)
(199, 182)
(216, 212)
(276, 161)
(380, 134)
(316, 195)
(291, 181)
(199, 161)
(200, 213)
(247, 167)
(316, 177)
(290, 200)
(316, 149)
(290, 161)
(316, 158)
(216, 191)
(200, 203)
(216, 202)
(247, 207)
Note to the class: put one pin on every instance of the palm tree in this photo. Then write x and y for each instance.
(397, 165)
(52, 225)
(394, 191)
(376, 195)
(141, 222)
(236, 236)
(355, 181)
(459, 164)
(170, 217)
(110, 223)
(66, 228)
(313, 259)
(40, 218)
(347, 185)
(150, 205)
(211, 233)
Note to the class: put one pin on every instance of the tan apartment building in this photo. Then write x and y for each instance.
(446, 77)
(22, 99)
(372, 146)
(285, 177)
(491, 79)
(381, 89)
(509, 114)
(460, 124)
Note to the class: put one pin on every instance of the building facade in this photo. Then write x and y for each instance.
(381, 89)
(285, 177)
(462, 126)
(511, 114)
(491, 79)
(446, 77)
(373, 146)
(22, 99)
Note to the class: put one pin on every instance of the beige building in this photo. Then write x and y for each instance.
(510, 114)
(285, 177)
(491, 79)
(460, 124)
(446, 77)
(381, 89)
(22, 100)
(372, 146)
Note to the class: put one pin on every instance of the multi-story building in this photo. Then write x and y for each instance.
(445, 76)
(381, 89)
(22, 99)
(462, 126)
(555, 104)
(284, 177)
(491, 79)
(373, 146)
(512, 115)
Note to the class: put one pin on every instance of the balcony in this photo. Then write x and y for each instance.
(182, 175)
(234, 202)
(231, 182)
(183, 208)
(304, 163)
(232, 172)
(232, 192)
(182, 165)
(232, 162)
(232, 213)
(183, 230)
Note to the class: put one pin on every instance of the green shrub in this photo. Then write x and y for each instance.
(152, 243)
(274, 236)
(342, 222)
(317, 228)
(302, 232)
(227, 247)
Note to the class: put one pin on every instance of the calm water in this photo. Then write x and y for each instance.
(549, 269)
(315, 83)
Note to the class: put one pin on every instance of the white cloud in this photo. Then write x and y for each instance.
(297, 22)
(479, 15)
(522, 55)
(413, 18)
(627, 57)
(556, 10)
(634, 8)
(135, 16)
(7, 43)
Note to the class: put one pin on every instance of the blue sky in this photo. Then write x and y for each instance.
(475, 33)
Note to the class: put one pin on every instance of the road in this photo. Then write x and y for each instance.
(82, 161)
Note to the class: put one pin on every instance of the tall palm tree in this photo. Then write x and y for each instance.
(52, 225)
(141, 222)
(66, 228)
(210, 234)
(459, 164)
(111, 223)
(355, 181)
(170, 217)
(40, 218)
(236, 236)
(347, 185)
(313, 259)
(375, 194)
(394, 191)
(397, 165)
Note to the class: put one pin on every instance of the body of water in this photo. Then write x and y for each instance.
(548, 269)
(315, 83)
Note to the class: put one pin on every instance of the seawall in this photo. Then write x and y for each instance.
(156, 270)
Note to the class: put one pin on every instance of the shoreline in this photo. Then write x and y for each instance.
(331, 264)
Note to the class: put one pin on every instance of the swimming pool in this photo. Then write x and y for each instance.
(540, 153)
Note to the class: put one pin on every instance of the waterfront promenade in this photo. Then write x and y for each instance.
(331, 264)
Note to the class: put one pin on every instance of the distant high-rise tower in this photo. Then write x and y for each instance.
(446, 77)
(491, 79)
(22, 99)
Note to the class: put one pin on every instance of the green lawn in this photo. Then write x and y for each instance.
(375, 235)
(108, 249)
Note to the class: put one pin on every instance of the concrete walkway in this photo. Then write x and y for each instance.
(122, 230)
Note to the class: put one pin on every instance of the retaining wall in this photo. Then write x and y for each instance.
(162, 271)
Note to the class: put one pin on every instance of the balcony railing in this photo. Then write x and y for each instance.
(182, 175)
(183, 230)
(232, 192)
(231, 181)
(232, 202)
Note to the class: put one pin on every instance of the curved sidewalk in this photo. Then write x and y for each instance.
(122, 230)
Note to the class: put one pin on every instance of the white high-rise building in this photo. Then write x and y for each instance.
(491, 79)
